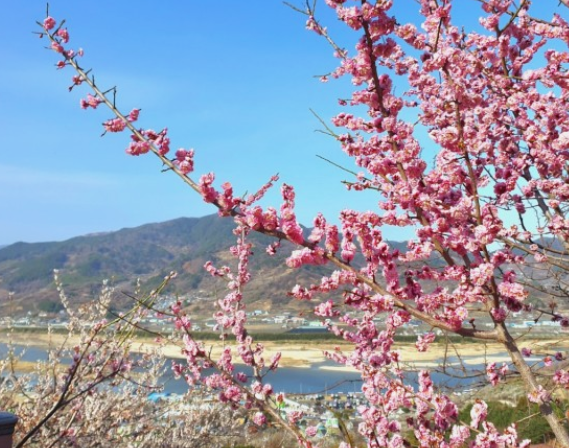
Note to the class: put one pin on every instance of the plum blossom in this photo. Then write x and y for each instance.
(259, 419)
(57, 47)
(459, 435)
(49, 23)
(423, 342)
(114, 125)
(446, 412)
(499, 314)
(561, 377)
(64, 34)
(295, 416)
(90, 101)
(539, 395)
(478, 413)
(133, 115)
(311, 431)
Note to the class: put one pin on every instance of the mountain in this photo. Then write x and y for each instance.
(148, 253)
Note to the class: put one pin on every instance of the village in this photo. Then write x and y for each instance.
(282, 321)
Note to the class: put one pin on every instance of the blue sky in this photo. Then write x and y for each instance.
(233, 80)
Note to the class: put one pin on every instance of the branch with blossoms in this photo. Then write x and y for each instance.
(254, 218)
(230, 383)
(103, 372)
(102, 392)
(501, 151)
(51, 401)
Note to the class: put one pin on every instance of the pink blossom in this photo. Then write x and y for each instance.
(481, 274)
(325, 309)
(294, 416)
(301, 293)
(207, 191)
(311, 431)
(478, 413)
(267, 390)
(77, 80)
(184, 160)
(459, 435)
(259, 419)
(492, 374)
(539, 395)
(114, 125)
(133, 115)
(275, 361)
(311, 24)
(137, 148)
(423, 342)
(176, 307)
(446, 412)
(548, 361)
(561, 378)
(63, 33)
(513, 290)
(160, 139)
(91, 101)
(57, 47)
(499, 314)
(49, 23)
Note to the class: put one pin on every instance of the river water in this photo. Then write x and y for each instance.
(319, 378)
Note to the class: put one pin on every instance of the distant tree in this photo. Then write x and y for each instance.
(50, 306)
(493, 101)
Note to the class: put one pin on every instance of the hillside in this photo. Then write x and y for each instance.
(147, 253)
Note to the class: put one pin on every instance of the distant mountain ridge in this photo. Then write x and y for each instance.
(148, 252)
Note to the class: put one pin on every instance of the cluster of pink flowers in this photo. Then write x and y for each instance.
(423, 342)
(495, 374)
(288, 223)
(114, 125)
(501, 130)
(539, 395)
(91, 101)
(561, 378)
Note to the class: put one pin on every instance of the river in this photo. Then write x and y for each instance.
(319, 378)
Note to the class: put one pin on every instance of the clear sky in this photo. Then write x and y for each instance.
(233, 80)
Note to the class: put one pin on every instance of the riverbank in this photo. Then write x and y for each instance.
(304, 355)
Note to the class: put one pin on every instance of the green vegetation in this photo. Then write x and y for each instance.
(530, 423)
(50, 306)
(266, 337)
(259, 337)
(39, 268)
